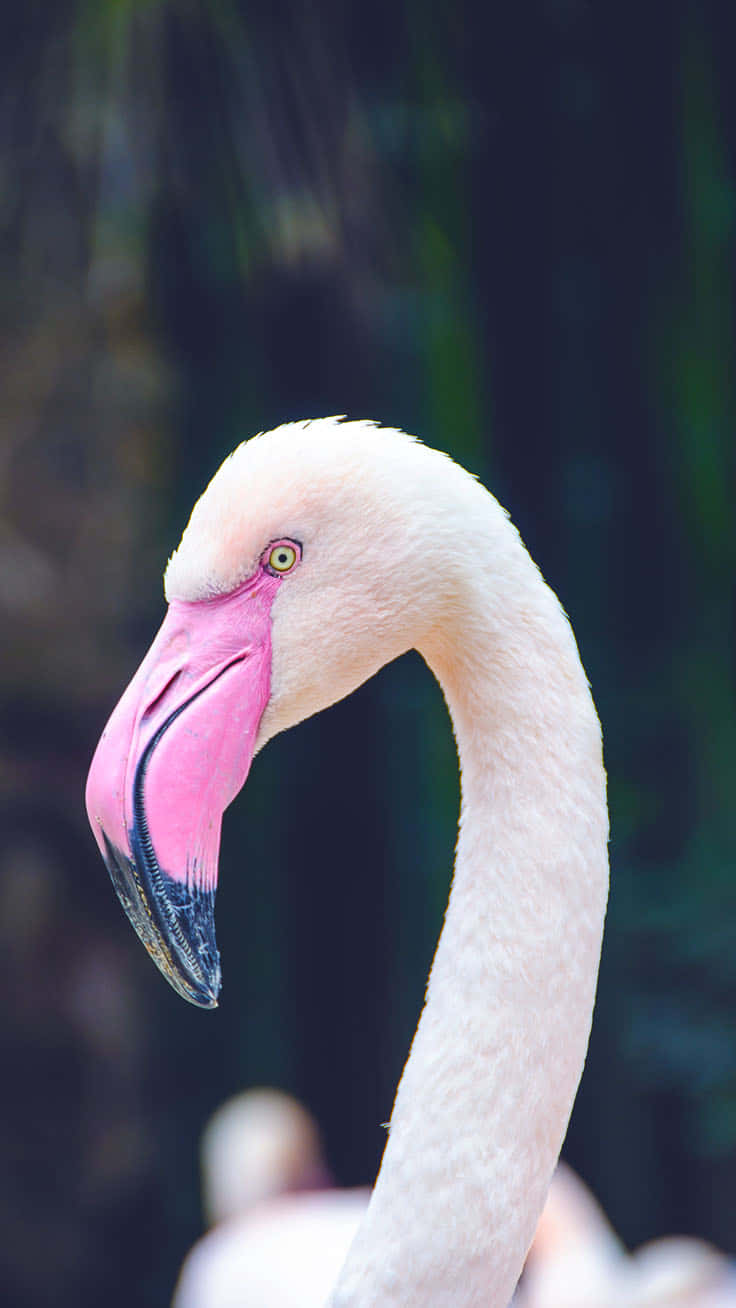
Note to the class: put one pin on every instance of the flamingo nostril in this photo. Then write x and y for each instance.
(158, 698)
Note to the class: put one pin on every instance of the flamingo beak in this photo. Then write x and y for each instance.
(175, 752)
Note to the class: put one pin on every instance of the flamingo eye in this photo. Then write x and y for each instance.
(282, 557)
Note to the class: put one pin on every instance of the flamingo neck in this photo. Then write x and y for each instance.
(485, 1097)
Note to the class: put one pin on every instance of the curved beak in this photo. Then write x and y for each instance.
(175, 752)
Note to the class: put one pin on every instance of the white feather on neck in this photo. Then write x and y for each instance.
(485, 1098)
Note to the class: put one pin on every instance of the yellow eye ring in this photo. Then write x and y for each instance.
(282, 557)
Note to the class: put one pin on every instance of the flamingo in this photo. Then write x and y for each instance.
(319, 552)
(258, 1145)
(576, 1258)
(577, 1261)
(677, 1271)
(258, 1151)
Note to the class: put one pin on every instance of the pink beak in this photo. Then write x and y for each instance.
(175, 752)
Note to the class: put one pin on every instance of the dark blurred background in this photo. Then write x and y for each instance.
(510, 229)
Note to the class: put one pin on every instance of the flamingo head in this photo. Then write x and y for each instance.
(306, 565)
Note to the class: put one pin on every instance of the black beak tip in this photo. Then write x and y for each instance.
(202, 996)
(203, 987)
(176, 924)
